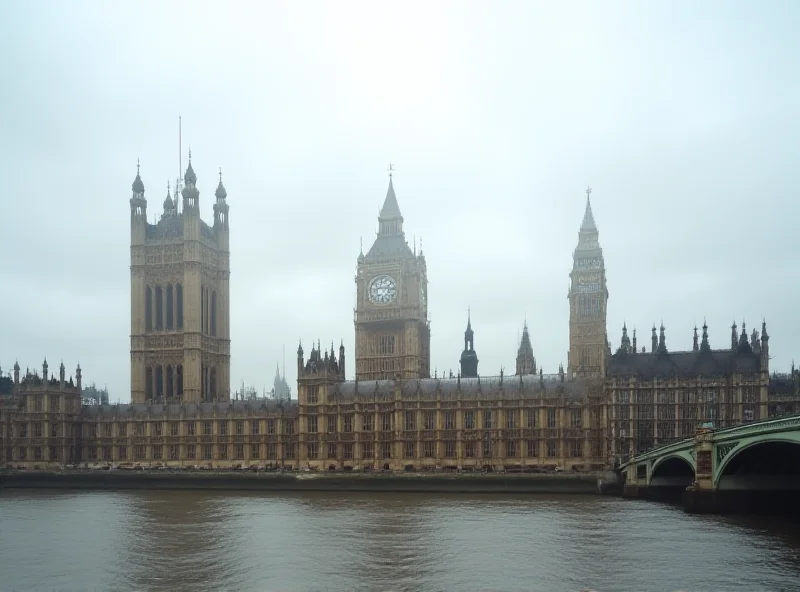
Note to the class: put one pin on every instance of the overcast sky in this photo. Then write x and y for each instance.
(682, 116)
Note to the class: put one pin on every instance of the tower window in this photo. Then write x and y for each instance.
(214, 314)
(148, 309)
(170, 308)
(179, 306)
(170, 382)
(159, 381)
(385, 345)
(148, 382)
(159, 308)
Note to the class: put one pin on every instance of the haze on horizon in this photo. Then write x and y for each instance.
(681, 116)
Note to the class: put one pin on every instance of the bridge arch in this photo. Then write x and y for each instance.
(759, 463)
(673, 470)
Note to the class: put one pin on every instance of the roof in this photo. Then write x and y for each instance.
(684, 364)
(181, 410)
(390, 209)
(588, 224)
(481, 388)
(389, 248)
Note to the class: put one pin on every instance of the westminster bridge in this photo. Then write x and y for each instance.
(750, 468)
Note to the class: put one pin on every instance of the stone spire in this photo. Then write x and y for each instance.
(390, 220)
(704, 345)
(526, 362)
(695, 345)
(469, 358)
(588, 224)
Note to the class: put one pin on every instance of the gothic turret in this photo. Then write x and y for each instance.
(221, 206)
(342, 367)
(78, 378)
(625, 342)
(44, 371)
(744, 343)
(526, 362)
(138, 210)
(695, 343)
(764, 347)
(170, 205)
(704, 345)
(469, 359)
(734, 337)
(653, 340)
(662, 341)
(191, 196)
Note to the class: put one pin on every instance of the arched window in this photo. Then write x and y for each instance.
(148, 382)
(179, 380)
(170, 382)
(214, 313)
(170, 309)
(203, 382)
(213, 381)
(159, 308)
(148, 308)
(159, 381)
(179, 306)
(202, 310)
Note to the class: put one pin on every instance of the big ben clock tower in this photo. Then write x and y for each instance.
(391, 315)
(588, 296)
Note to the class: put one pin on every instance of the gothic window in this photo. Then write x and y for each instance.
(386, 450)
(272, 451)
(385, 345)
(157, 452)
(331, 450)
(179, 380)
(179, 306)
(254, 425)
(531, 416)
(487, 419)
(348, 423)
(410, 452)
(190, 451)
(190, 428)
(148, 309)
(511, 448)
(469, 449)
(367, 450)
(159, 308)
(214, 314)
(348, 450)
(533, 448)
(511, 420)
(427, 449)
(223, 428)
(469, 420)
(449, 421)
(170, 383)
(208, 452)
(271, 426)
(366, 422)
(585, 356)
(551, 417)
(148, 382)
(159, 381)
(213, 381)
(170, 308)
(429, 420)
(202, 310)
(575, 419)
(331, 424)
(312, 424)
(487, 447)
(552, 448)
(312, 450)
(410, 420)
(207, 428)
(450, 449)
(576, 449)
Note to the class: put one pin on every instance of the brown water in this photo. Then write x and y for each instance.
(267, 542)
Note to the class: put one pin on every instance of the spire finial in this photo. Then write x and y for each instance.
(220, 174)
(190, 154)
(588, 192)
(390, 169)
(137, 166)
(167, 187)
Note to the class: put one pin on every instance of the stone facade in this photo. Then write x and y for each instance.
(602, 408)
(180, 298)
(40, 418)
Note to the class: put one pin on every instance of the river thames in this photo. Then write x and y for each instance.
(178, 540)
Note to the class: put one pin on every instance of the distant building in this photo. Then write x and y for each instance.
(280, 388)
(94, 396)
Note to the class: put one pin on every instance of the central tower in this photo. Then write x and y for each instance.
(391, 315)
(588, 296)
(180, 295)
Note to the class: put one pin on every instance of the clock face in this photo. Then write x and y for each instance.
(382, 290)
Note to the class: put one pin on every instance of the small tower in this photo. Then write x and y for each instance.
(764, 347)
(138, 210)
(526, 362)
(341, 359)
(300, 361)
(170, 205)
(62, 375)
(634, 341)
(704, 345)
(695, 343)
(16, 373)
(654, 340)
(44, 370)
(78, 378)
(734, 337)
(662, 341)
(469, 359)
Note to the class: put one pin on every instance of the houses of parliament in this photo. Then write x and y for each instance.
(609, 402)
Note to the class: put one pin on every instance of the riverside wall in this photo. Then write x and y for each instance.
(584, 483)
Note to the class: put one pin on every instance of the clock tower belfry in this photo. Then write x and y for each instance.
(391, 314)
(588, 297)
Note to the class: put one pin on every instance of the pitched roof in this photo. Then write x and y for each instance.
(390, 209)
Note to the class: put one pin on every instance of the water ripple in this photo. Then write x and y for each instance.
(407, 543)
